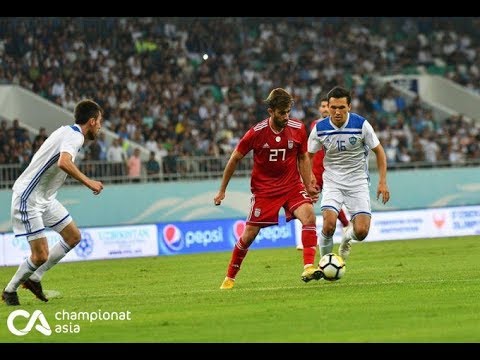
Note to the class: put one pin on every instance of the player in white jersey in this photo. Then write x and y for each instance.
(347, 139)
(34, 203)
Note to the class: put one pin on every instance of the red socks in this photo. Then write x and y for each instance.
(239, 252)
(309, 241)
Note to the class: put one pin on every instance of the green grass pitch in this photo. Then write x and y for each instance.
(395, 291)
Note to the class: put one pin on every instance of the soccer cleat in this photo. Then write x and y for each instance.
(311, 273)
(299, 247)
(10, 298)
(344, 250)
(36, 288)
(227, 283)
(345, 246)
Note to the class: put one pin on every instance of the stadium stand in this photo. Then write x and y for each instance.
(177, 89)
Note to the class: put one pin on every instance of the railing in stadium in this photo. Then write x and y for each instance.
(184, 168)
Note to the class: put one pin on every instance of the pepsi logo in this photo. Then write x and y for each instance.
(439, 220)
(238, 228)
(172, 236)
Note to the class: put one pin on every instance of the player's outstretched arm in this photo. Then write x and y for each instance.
(313, 178)
(227, 175)
(305, 169)
(382, 188)
(66, 164)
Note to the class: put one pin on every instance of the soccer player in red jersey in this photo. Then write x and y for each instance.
(317, 164)
(281, 177)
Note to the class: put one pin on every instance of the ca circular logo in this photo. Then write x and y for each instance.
(37, 316)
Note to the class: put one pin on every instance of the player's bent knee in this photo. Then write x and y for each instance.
(39, 259)
(74, 238)
(360, 232)
(328, 229)
(361, 235)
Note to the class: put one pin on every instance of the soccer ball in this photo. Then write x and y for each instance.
(332, 266)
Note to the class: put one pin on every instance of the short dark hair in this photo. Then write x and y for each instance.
(85, 110)
(339, 92)
(279, 99)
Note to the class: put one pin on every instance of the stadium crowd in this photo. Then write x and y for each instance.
(179, 89)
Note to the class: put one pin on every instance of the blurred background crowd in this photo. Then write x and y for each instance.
(191, 87)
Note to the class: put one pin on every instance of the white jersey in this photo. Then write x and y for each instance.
(42, 178)
(346, 150)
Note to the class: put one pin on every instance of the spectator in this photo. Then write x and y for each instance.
(41, 136)
(153, 167)
(94, 150)
(103, 146)
(117, 156)
(134, 166)
(170, 165)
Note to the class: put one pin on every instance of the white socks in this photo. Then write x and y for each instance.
(57, 252)
(24, 271)
(326, 244)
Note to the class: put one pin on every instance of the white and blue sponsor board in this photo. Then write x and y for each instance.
(221, 235)
(415, 224)
(205, 236)
(96, 243)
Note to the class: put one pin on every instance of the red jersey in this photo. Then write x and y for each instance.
(275, 168)
(317, 162)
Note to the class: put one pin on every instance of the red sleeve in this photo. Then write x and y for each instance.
(246, 142)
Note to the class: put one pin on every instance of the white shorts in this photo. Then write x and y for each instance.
(356, 200)
(29, 219)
